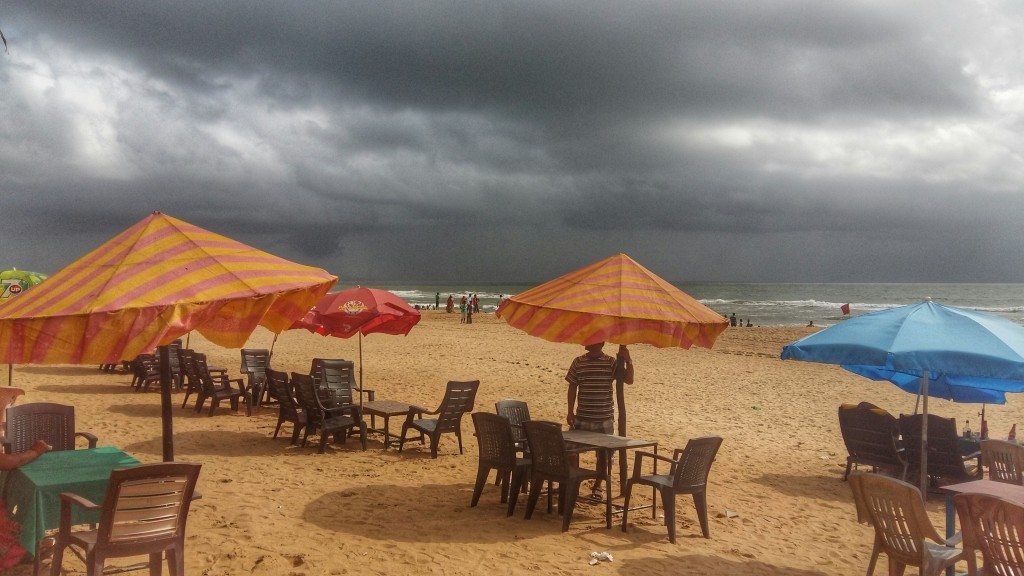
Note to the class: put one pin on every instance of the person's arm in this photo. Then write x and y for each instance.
(625, 365)
(570, 377)
(12, 461)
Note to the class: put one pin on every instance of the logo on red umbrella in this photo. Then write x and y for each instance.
(353, 307)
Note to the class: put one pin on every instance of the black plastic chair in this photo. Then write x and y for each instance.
(688, 474)
(551, 461)
(497, 452)
(280, 389)
(216, 387)
(255, 363)
(327, 412)
(458, 400)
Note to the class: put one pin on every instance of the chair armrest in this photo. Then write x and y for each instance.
(67, 500)
(6, 444)
(88, 436)
(639, 456)
(370, 393)
(971, 456)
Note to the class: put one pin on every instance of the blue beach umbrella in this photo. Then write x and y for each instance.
(927, 348)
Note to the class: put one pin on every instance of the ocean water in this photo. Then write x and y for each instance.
(771, 304)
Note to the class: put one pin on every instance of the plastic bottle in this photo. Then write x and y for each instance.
(967, 429)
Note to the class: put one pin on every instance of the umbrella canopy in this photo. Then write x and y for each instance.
(359, 310)
(149, 285)
(13, 282)
(615, 300)
(970, 356)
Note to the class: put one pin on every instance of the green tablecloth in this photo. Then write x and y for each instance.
(32, 492)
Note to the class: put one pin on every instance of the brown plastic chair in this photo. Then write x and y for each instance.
(551, 461)
(944, 457)
(1005, 461)
(902, 528)
(255, 363)
(326, 413)
(288, 408)
(870, 435)
(338, 370)
(994, 526)
(215, 387)
(497, 452)
(144, 512)
(516, 412)
(458, 400)
(54, 423)
(687, 474)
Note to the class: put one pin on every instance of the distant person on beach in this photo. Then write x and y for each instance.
(749, 325)
(437, 301)
(451, 304)
(590, 402)
(462, 309)
(469, 312)
(810, 324)
(476, 303)
(732, 319)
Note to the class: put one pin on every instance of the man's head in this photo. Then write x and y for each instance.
(595, 349)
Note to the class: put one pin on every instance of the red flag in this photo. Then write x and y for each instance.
(1013, 433)
(845, 308)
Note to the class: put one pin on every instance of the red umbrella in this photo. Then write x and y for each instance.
(360, 311)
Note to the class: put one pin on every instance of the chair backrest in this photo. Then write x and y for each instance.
(547, 448)
(305, 394)
(203, 373)
(516, 412)
(8, 396)
(146, 504)
(255, 362)
(337, 376)
(995, 527)
(458, 400)
(174, 357)
(494, 438)
(54, 423)
(187, 360)
(1005, 461)
(694, 462)
(943, 447)
(897, 512)
(869, 433)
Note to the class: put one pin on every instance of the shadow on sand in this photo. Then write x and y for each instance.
(707, 565)
(215, 442)
(831, 488)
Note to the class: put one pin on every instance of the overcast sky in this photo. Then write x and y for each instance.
(755, 141)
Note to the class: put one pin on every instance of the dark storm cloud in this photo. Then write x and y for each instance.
(504, 141)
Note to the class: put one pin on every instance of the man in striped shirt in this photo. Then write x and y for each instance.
(590, 401)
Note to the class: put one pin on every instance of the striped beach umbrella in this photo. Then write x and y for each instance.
(615, 300)
(149, 285)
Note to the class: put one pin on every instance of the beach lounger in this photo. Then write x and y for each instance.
(944, 458)
(870, 434)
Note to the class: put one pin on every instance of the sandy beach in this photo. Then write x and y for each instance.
(269, 508)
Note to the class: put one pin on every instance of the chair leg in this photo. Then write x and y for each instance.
(481, 478)
(323, 441)
(700, 500)
(458, 434)
(625, 502)
(362, 435)
(849, 464)
(185, 401)
(896, 569)
(401, 441)
(176, 561)
(668, 503)
(213, 405)
(505, 478)
(434, 440)
(156, 561)
(877, 548)
(280, 421)
(56, 558)
(571, 491)
(518, 475)
(531, 501)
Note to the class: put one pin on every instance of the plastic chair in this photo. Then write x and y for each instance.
(497, 452)
(54, 423)
(288, 408)
(688, 474)
(551, 461)
(1005, 461)
(995, 527)
(144, 512)
(902, 528)
(870, 434)
(458, 400)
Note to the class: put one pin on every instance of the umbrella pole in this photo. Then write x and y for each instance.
(361, 371)
(188, 336)
(10, 374)
(271, 353)
(165, 404)
(620, 398)
(924, 436)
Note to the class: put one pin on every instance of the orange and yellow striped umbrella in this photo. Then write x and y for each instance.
(615, 300)
(149, 285)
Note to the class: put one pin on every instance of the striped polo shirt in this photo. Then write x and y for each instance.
(594, 377)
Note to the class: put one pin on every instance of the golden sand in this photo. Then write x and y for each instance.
(269, 508)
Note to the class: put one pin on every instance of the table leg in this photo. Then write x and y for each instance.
(622, 470)
(608, 488)
(654, 491)
(950, 525)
